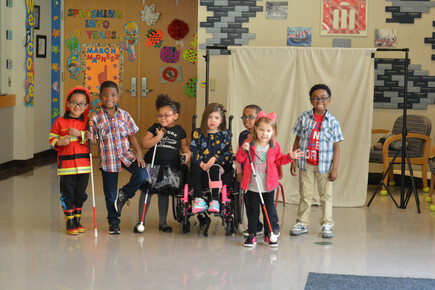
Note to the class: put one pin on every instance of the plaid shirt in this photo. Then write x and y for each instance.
(330, 133)
(113, 133)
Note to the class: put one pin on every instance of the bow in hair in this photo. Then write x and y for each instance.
(271, 116)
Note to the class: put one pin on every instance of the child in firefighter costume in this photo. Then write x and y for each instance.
(69, 137)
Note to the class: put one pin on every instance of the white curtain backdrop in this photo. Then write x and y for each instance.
(278, 79)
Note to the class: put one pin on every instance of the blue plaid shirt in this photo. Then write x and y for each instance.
(330, 133)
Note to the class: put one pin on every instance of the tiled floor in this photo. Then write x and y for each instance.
(36, 253)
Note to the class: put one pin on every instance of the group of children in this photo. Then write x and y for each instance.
(316, 150)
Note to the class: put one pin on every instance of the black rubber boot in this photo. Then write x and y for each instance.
(77, 217)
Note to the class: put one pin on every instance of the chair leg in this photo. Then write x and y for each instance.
(431, 189)
(282, 193)
(391, 177)
(424, 177)
(277, 194)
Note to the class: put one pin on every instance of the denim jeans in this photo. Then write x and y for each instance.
(110, 187)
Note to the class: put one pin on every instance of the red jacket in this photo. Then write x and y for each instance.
(274, 157)
(73, 158)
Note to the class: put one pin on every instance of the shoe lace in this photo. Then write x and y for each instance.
(327, 227)
(298, 226)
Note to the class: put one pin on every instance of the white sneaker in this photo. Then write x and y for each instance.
(327, 231)
(298, 229)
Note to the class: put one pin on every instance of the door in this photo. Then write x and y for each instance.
(109, 40)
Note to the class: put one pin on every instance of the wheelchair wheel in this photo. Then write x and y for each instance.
(229, 230)
(177, 207)
(185, 226)
(238, 208)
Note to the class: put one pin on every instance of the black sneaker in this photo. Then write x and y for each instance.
(250, 241)
(165, 228)
(120, 200)
(114, 229)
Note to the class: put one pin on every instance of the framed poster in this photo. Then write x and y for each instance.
(344, 18)
(41, 46)
(37, 16)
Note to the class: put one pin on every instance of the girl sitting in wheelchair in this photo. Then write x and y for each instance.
(211, 157)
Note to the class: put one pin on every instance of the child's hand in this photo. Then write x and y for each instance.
(293, 169)
(211, 162)
(88, 135)
(296, 155)
(185, 159)
(160, 132)
(64, 141)
(333, 174)
(203, 166)
(74, 132)
(140, 161)
(239, 177)
(245, 146)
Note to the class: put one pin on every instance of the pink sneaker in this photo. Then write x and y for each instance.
(199, 205)
(214, 206)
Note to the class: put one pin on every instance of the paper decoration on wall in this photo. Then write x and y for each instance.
(179, 44)
(190, 88)
(171, 74)
(299, 36)
(169, 54)
(95, 105)
(190, 55)
(149, 15)
(102, 62)
(385, 37)
(344, 17)
(29, 65)
(73, 62)
(131, 29)
(154, 38)
(194, 42)
(178, 29)
(55, 86)
(276, 10)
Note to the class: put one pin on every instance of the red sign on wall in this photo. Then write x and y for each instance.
(344, 17)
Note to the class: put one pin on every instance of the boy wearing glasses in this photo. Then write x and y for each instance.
(68, 136)
(115, 128)
(249, 115)
(318, 134)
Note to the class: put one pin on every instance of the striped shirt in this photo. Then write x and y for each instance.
(112, 133)
(330, 133)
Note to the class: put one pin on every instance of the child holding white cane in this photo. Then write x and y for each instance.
(68, 136)
(164, 140)
(266, 154)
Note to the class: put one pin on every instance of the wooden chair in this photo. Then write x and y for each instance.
(279, 187)
(431, 163)
(419, 128)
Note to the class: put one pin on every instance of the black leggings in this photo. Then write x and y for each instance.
(253, 210)
(199, 179)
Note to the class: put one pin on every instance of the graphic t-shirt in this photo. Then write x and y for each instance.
(168, 149)
(312, 153)
(260, 167)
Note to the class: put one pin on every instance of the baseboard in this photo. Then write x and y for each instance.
(17, 167)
